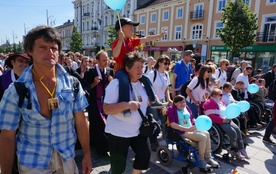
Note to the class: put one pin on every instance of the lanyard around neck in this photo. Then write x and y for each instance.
(45, 87)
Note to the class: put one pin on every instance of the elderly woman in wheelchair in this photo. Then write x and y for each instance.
(215, 109)
(180, 118)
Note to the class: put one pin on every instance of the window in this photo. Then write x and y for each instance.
(271, 1)
(87, 25)
(178, 31)
(128, 12)
(221, 4)
(112, 20)
(165, 15)
(197, 32)
(247, 1)
(198, 11)
(179, 13)
(218, 25)
(83, 26)
(142, 19)
(105, 21)
(165, 36)
(152, 31)
(153, 17)
(142, 32)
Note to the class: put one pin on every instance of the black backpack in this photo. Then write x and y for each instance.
(230, 73)
(155, 74)
(272, 90)
(23, 92)
(184, 87)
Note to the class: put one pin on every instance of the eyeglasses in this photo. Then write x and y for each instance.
(220, 95)
(90, 61)
(209, 71)
(166, 64)
(23, 61)
(226, 64)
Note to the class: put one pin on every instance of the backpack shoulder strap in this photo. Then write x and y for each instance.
(76, 84)
(219, 72)
(196, 83)
(146, 69)
(22, 92)
(155, 74)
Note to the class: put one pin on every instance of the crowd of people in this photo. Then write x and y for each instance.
(115, 92)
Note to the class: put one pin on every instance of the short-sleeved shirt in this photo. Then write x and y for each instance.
(161, 83)
(184, 118)
(221, 76)
(198, 92)
(129, 46)
(183, 72)
(37, 135)
(117, 124)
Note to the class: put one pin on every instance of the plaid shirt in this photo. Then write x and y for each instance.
(38, 135)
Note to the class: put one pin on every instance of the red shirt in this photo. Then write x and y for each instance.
(129, 46)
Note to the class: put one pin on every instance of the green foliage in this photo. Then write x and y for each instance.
(111, 34)
(239, 26)
(20, 47)
(76, 41)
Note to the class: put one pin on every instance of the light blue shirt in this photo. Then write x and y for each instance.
(37, 135)
(184, 117)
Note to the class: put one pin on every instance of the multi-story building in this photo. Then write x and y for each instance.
(195, 22)
(92, 18)
(65, 32)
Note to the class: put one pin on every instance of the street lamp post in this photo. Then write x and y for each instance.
(51, 18)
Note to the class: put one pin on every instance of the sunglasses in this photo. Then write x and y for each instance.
(209, 71)
(167, 64)
(226, 64)
(220, 95)
(90, 61)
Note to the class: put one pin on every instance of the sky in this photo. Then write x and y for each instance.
(14, 14)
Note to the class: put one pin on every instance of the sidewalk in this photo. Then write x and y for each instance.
(263, 160)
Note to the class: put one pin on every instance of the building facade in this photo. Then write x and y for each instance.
(65, 32)
(193, 23)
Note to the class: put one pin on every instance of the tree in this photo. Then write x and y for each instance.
(20, 47)
(111, 34)
(76, 41)
(239, 26)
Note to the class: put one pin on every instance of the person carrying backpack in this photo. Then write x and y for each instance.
(270, 76)
(50, 118)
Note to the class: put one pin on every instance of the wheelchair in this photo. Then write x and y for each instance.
(262, 112)
(181, 149)
(221, 140)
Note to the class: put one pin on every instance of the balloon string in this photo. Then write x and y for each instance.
(121, 27)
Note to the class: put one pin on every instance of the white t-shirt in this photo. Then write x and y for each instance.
(75, 65)
(198, 92)
(118, 125)
(244, 78)
(221, 76)
(161, 83)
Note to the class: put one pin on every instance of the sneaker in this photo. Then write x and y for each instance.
(213, 163)
(263, 123)
(244, 153)
(158, 105)
(126, 113)
(268, 141)
(204, 164)
(239, 155)
(259, 126)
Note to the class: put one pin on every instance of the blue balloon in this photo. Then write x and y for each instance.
(232, 111)
(116, 5)
(244, 105)
(203, 123)
(253, 88)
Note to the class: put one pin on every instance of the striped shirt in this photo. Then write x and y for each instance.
(37, 135)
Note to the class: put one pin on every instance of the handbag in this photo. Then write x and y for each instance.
(148, 124)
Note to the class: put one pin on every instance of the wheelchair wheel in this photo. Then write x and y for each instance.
(164, 155)
(185, 170)
(216, 138)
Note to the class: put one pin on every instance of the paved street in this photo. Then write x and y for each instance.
(263, 160)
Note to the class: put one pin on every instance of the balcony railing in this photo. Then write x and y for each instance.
(86, 14)
(198, 14)
(266, 37)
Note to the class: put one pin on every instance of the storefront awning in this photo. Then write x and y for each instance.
(161, 48)
(252, 48)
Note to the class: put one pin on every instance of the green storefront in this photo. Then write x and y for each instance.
(259, 56)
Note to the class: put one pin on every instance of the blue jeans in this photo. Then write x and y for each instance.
(123, 78)
(194, 109)
(269, 129)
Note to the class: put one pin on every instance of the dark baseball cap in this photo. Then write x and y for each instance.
(125, 21)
